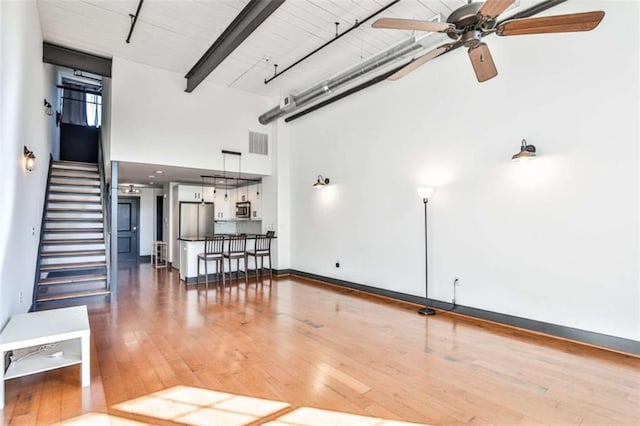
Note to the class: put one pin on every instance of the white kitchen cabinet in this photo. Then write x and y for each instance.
(195, 193)
(225, 209)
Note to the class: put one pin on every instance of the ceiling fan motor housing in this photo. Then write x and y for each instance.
(471, 38)
(466, 19)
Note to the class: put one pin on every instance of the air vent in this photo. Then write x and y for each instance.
(258, 143)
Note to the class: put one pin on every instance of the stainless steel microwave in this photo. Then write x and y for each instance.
(243, 210)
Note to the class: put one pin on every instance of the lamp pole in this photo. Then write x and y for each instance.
(426, 310)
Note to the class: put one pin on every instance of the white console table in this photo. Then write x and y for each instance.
(66, 329)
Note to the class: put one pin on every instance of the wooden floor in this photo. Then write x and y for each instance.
(163, 354)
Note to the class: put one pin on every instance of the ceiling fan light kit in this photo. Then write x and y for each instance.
(468, 24)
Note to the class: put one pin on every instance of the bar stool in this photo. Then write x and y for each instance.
(262, 249)
(213, 250)
(237, 250)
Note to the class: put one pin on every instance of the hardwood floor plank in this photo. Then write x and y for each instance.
(311, 345)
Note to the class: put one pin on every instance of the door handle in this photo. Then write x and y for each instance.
(135, 228)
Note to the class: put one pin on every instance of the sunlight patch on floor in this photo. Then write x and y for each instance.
(307, 416)
(195, 406)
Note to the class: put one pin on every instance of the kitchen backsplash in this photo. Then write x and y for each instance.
(238, 227)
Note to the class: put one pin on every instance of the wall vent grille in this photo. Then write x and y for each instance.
(258, 143)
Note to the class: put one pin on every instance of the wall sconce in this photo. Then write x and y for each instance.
(48, 109)
(527, 152)
(321, 182)
(29, 159)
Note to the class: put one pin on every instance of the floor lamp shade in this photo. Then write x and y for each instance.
(425, 192)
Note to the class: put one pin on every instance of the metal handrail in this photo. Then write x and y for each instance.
(42, 229)
(106, 213)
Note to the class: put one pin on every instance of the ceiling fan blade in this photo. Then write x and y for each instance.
(551, 24)
(493, 8)
(534, 10)
(412, 24)
(482, 62)
(416, 63)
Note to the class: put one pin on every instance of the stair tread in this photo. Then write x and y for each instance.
(66, 200)
(89, 184)
(88, 163)
(67, 164)
(72, 279)
(74, 191)
(73, 253)
(73, 295)
(74, 241)
(82, 265)
(74, 219)
(67, 175)
(72, 210)
(73, 230)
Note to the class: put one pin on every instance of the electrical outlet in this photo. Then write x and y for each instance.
(337, 264)
(20, 298)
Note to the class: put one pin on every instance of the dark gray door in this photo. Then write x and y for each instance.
(128, 224)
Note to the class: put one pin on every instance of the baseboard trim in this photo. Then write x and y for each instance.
(617, 344)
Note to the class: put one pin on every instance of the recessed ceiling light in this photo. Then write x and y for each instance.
(220, 181)
(151, 176)
(150, 183)
(159, 172)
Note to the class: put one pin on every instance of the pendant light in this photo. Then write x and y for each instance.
(224, 173)
(239, 177)
(202, 191)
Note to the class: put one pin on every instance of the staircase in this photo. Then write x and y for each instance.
(72, 263)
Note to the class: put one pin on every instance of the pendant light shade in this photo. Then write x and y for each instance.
(527, 152)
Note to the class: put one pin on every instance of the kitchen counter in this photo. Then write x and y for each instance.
(190, 248)
(249, 237)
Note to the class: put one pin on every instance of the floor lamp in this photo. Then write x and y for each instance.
(426, 193)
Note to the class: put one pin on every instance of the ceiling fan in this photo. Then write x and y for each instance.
(468, 24)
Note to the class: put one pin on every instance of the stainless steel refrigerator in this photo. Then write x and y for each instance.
(196, 220)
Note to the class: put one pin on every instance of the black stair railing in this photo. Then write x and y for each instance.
(106, 225)
(42, 232)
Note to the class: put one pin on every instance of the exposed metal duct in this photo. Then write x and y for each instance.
(383, 58)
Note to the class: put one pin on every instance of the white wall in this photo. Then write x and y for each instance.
(22, 122)
(155, 121)
(53, 96)
(554, 240)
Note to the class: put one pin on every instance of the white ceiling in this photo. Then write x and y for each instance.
(139, 175)
(173, 35)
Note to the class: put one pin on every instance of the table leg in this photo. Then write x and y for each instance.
(1, 380)
(85, 367)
